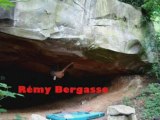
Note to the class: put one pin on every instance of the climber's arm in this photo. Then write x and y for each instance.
(60, 74)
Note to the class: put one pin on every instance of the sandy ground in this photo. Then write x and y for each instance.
(123, 87)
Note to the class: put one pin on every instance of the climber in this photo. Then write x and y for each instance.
(60, 74)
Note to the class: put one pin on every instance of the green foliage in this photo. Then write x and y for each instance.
(155, 70)
(4, 92)
(152, 7)
(154, 44)
(2, 110)
(6, 4)
(151, 97)
(147, 103)
(136, 3)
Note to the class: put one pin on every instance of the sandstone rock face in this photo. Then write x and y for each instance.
(103, 34)
(107, 24)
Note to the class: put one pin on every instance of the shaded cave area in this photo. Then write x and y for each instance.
(16, 76)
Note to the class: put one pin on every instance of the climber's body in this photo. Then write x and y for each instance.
(60, 74)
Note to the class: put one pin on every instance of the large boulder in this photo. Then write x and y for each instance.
(120, 110)
(100, 36)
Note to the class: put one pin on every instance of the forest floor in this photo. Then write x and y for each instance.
(122, 87)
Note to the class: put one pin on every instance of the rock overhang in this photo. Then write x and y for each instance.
(107, 32)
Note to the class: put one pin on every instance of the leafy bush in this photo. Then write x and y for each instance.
(136, 3)
(154, 44)
(6, 4)
(151, 97)
(4, 92)
(153, 8)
